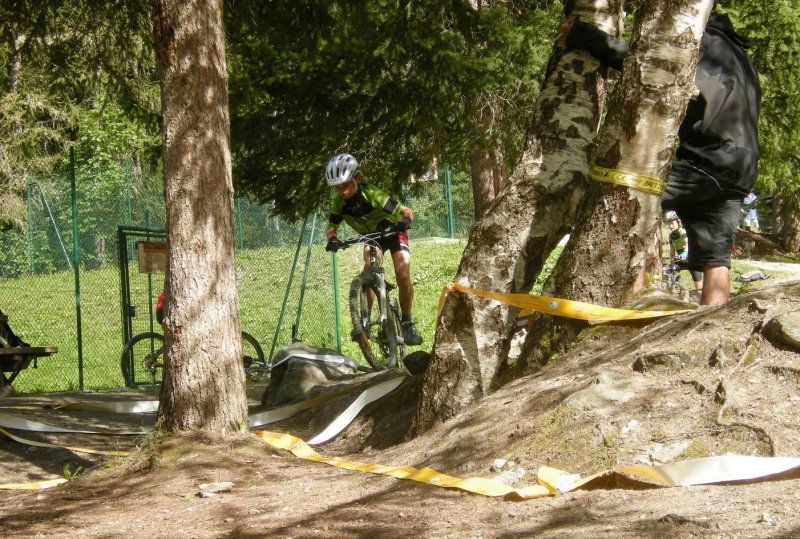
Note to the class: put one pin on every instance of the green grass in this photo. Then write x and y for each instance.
(42, 309)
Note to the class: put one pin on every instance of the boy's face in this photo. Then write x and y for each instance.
(346, 190)
(674, 225)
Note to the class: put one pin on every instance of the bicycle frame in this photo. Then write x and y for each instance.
(380, 278)
(374, 325)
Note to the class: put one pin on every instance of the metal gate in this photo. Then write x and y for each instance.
(140, 283)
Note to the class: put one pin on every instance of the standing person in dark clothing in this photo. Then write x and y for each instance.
(716, 163)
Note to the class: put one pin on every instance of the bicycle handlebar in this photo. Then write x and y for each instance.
(388, 232)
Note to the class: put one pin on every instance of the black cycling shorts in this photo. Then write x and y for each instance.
(395, 243)
(711, 230)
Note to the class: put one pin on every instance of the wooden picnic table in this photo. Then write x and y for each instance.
(15, 359)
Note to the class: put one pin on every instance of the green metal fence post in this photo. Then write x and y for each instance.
(76, 257)
(30, 223)
(448, 196)
(337, 320)
(296, 327)
(288, 288)
(239, 227)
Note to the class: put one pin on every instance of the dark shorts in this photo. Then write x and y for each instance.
(711, 230)
(697, 276)
(395, 243)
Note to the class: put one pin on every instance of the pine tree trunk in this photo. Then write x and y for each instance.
(487, 162)
(204, 386)
(508, 246)
(786, 228)
(605, 259)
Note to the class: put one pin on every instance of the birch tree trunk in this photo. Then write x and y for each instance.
(204, 386)
(508, 246)
(604, 261)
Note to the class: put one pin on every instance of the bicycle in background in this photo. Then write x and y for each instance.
(142, 359)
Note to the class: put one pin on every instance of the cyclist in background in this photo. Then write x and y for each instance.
(679, 248)
(367, 209)
(160, 308)
(750, 212)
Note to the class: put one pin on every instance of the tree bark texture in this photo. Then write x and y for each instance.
(605, 259)
(487, 162)
(204, 385)
(786, 212)
(507, 248)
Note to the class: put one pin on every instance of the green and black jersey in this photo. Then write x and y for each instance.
(679, 240)
(366, 211)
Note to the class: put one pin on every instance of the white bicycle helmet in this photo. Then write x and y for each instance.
(341, 169)
(672, 216)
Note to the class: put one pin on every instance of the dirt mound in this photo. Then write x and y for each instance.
(703, 383)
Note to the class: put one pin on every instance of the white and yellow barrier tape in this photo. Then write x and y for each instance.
(369, 395)
(648, 184)
(559, 307)
(366, 397)
(35, 485)
(428, 476)
(20, 423)
(704, 471)
(110, 453)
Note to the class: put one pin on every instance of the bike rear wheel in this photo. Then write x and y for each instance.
(253, 358)
(142, 360)
(378, 342)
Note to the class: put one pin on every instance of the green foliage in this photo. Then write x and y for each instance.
(69, 474)
(64, 62)
(397, 84)
(774, 28)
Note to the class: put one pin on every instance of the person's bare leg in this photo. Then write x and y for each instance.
(402, 271)
(716, 286)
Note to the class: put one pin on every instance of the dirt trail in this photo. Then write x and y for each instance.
(704, 383)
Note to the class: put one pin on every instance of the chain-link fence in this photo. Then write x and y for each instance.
(287, 282)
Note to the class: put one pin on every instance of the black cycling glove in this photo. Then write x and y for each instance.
(403, 225)
(333, 245)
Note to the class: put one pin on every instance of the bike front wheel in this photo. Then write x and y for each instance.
(142, 360)
(378, 341)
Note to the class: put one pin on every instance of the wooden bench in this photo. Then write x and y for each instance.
(15, 359)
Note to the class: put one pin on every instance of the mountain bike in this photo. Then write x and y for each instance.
(671, 278)
(375, 315)
(142, 359)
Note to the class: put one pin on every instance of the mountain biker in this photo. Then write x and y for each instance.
(160, 308)
(366, 209)
(679, 248)
(716, 162)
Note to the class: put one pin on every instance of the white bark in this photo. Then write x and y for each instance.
(508, 247)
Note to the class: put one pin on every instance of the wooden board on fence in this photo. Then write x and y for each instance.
(152, 256)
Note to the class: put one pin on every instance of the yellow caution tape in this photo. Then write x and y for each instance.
(33, 486)
(633, 180)
(68, 447)
(703, 471)
(561, 307)
(478, 485)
